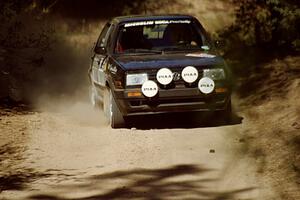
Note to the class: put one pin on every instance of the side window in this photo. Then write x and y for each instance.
(102, 38)
(109, 35)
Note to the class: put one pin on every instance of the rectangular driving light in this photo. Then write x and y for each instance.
(136, 79)
(215, 74)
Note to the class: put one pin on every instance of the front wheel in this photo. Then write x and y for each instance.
(112, 111)
(227, 113)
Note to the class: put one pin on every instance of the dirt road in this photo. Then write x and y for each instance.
(69, 153)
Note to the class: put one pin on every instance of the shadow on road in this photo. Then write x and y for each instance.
(169, 183)
(13, 176)
(183, 120)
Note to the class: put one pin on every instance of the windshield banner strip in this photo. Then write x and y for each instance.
(145, 23)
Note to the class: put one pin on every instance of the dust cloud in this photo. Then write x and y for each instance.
(62, 83)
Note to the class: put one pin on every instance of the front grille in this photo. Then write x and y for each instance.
(156, 102)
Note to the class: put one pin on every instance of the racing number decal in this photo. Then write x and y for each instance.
(98, 71)
(95, 65)
(101, 73)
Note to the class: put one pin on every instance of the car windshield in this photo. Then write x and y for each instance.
(159, 36)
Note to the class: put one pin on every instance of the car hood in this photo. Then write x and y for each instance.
(170, 60)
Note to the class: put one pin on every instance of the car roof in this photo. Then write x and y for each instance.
(134, 18)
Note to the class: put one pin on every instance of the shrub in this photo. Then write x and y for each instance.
(273, 23)
(24, 38)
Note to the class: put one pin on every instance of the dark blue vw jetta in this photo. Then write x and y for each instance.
(157, 64)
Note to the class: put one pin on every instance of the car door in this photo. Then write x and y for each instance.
(99, 57)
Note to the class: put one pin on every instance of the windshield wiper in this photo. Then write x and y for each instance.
(142, 51)
(181, 48)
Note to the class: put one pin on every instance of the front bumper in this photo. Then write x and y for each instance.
(172, 100)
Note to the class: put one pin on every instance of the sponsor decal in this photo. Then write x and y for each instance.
(206, 85)
(145, 23)
(149, 89)
(189, 74)
(164, 76)
(142, 23)
(201, 55)
(172, 22)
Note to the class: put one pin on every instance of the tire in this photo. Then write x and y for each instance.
(112, 111)
(227, 113)
(224, 116)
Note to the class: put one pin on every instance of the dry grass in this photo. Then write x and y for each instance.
(272, 111)
(213, 14)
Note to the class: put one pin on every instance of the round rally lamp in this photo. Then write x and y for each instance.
(206, 85)
(189, 74)
(164, 76)
(149, 89)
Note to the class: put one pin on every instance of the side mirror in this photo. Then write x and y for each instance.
(219, 44)
(100, 50)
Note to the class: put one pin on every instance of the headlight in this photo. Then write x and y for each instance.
(136, 79)
(215, 74)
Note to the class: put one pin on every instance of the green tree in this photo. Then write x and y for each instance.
(24, 38)
(266, 23)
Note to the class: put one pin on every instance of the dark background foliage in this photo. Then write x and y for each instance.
(263, 30)
(266, 24)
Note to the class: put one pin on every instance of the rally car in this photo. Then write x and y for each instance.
(145, 65)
